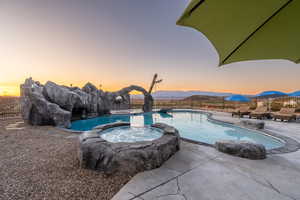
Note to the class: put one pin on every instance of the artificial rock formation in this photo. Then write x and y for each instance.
(37, 110)
(57, 105)
(130, 158)
(253, 124)
(242, 149)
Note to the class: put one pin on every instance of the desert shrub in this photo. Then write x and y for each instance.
(276, 105)
(253, 105)
(298, 107)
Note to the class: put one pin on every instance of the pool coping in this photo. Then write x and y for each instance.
(290, 144)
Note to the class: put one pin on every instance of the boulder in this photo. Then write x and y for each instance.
(130, 158)
(242, 149)
(252, 124)
(98, 103)
(36, 110)
(62, 96)
(46, 113)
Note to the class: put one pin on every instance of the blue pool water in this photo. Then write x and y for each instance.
(191, 125)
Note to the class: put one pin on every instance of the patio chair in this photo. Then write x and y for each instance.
(244, 110)
(260, 112)
(287, 114)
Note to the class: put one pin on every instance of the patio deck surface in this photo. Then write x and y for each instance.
(200, 172)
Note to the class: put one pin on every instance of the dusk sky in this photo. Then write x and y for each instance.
(117, 43)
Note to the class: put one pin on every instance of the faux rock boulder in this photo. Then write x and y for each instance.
(253, 124)
(242, 149)
(58, 105)
(98, 154)
(93, 98)
(63, 96)
(37, 110)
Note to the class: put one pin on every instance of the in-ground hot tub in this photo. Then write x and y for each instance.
(131, 134)
(117, 147)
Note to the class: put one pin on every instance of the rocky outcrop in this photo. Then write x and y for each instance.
(63, 96)
(37, 110)
(53, 104)
(124, 93)
(92, 99)
(242, 149)
(98, 154)
(253, 124)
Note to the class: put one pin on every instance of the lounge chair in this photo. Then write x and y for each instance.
(260, 112)
(244, 110)
(285, 114)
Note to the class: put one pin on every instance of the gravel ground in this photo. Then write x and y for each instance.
(41, 163)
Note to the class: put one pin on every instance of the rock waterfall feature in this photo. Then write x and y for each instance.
(53, 104)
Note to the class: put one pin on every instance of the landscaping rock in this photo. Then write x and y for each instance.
(253, 124)
(98, 154)
(242, 149)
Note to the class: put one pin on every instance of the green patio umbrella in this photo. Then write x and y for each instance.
(248, 29)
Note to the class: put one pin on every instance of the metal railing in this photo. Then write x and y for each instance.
(189, 105)
(9, 107)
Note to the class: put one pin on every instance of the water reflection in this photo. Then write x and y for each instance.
(233, 134)
(148, 119)
(165, 115)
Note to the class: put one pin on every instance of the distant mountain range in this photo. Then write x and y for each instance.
(171, 94)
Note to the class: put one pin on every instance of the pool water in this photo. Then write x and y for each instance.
(191, 125)
(131, 134)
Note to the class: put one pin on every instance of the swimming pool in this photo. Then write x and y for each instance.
(191, 125)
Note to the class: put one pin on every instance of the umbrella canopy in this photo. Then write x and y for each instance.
(270, 94)
(248, 29)
(295, 94)
(237, 98)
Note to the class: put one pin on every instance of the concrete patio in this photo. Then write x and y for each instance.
(201, 172)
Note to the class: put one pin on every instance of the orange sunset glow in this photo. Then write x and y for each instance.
(79, 44)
